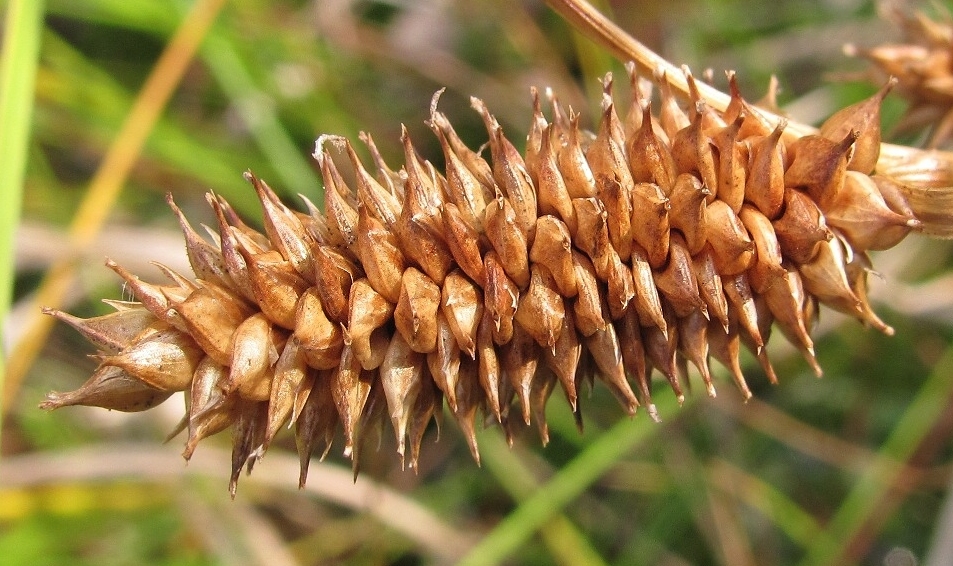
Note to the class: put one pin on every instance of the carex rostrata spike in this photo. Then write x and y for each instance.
(658, 241)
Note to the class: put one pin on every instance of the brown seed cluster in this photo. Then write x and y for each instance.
(923, 67)
(661, 239)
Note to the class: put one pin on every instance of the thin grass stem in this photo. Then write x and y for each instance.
(872, 487)
(577, 476)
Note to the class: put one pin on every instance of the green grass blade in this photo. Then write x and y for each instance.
(18, 62)
(566, 543)
(604, 452)
(919, 418)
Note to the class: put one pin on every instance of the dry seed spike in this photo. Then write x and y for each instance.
(541, 311)
(739, 294)
(276, 285)
(368, 313)
(462, 304)
(629, 331)
(633, 118)
(210, 411)
(501, 297)
(508, 240)
(753, 122)
(593, 234)
(420, 226)
(317, 224)
(610, 119)
(651, 222)
(770, 99)
(767, 262)
(320, 337)
(316, 423)
(710, 287)
(519, 359)
(857, 271)
(183, 283)
(543, 386)
(726, 347)
(350, 388)
(801, 229)
(426, 407)
(411, 271)
(825, 277)
(647, 301)
(552, 249)
(588, 306)
(464, 243)
(677, 281)
(765, 324)
(688, 202)
(246, 232)
(561, 121)
(468, 403)
(487, 366)
(164, 360)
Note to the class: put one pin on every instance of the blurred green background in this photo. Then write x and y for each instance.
(852, 468)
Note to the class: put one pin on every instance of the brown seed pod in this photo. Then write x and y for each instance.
(657, 242)
(112, 388)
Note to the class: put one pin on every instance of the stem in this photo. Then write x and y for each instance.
(573, 479)
(584, 18)
(872, 487)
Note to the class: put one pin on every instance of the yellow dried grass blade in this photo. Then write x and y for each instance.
(106, 185)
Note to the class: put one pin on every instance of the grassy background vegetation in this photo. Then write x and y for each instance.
(137, 98)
